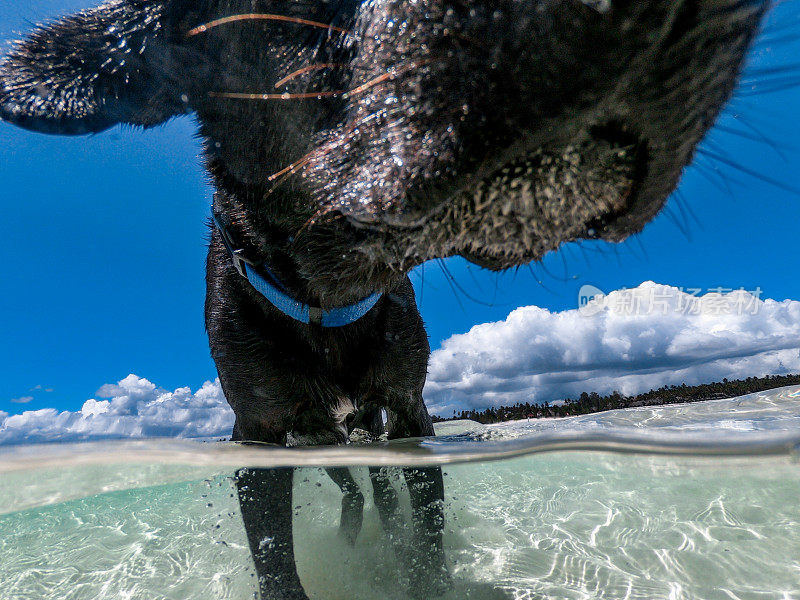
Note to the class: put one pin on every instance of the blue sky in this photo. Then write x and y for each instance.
(103, 243)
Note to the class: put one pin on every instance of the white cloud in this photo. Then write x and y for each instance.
(134, 407)
(22, 400)
(631, 341)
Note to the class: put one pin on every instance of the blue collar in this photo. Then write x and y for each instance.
(266, 284)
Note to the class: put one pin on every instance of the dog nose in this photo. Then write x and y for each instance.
(608, 97)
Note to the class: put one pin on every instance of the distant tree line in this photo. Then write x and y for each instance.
(594, 402)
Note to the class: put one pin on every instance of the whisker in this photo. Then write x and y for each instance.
(618, 256)
(769, 87)
(319, 95)
(292, 168)
(584, 254)
(751, 172)
(305, 70)
(262, 17)
(783, 24)
(303, 161)
(551, 275)
(538, 281)
(670, 214)
(388, 75)
(712, 174)
(564, 264)
(776, 41)
(684, 202)
(322, 151)
(371, 83)
(323, 212)
(453, 281)
(756, 136)
(725, 184)
(752, 74)
(282, 96)
(637, 237)
(447, 278)
(684, 218)
(474, 279)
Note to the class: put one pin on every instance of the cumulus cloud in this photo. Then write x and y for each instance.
(630, 340)
(132, 408)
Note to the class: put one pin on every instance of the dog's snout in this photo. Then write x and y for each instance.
(523, 125)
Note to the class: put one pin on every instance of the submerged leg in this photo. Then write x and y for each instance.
(385, 498)
(352, 503)
(427, 566)
(353, 500)
(429, 571)
(265, 498)
(383, 493)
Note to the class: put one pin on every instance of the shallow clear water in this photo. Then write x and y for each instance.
(692, 501)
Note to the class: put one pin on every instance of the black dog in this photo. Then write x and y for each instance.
(350, 141)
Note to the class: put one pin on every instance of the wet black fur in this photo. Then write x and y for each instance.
(503, 130)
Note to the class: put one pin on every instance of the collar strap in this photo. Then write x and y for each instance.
(268, 285)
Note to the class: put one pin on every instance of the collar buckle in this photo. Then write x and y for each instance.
(240, 262)
(237, 256)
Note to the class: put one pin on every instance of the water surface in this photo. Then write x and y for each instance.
(690, 501)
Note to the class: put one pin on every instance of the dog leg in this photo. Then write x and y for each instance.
(353, 500)
(386, 502)
(429, 572)
(265, 498)
(383, 493)
(352, 503)
(385, 498)
(427, 568)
